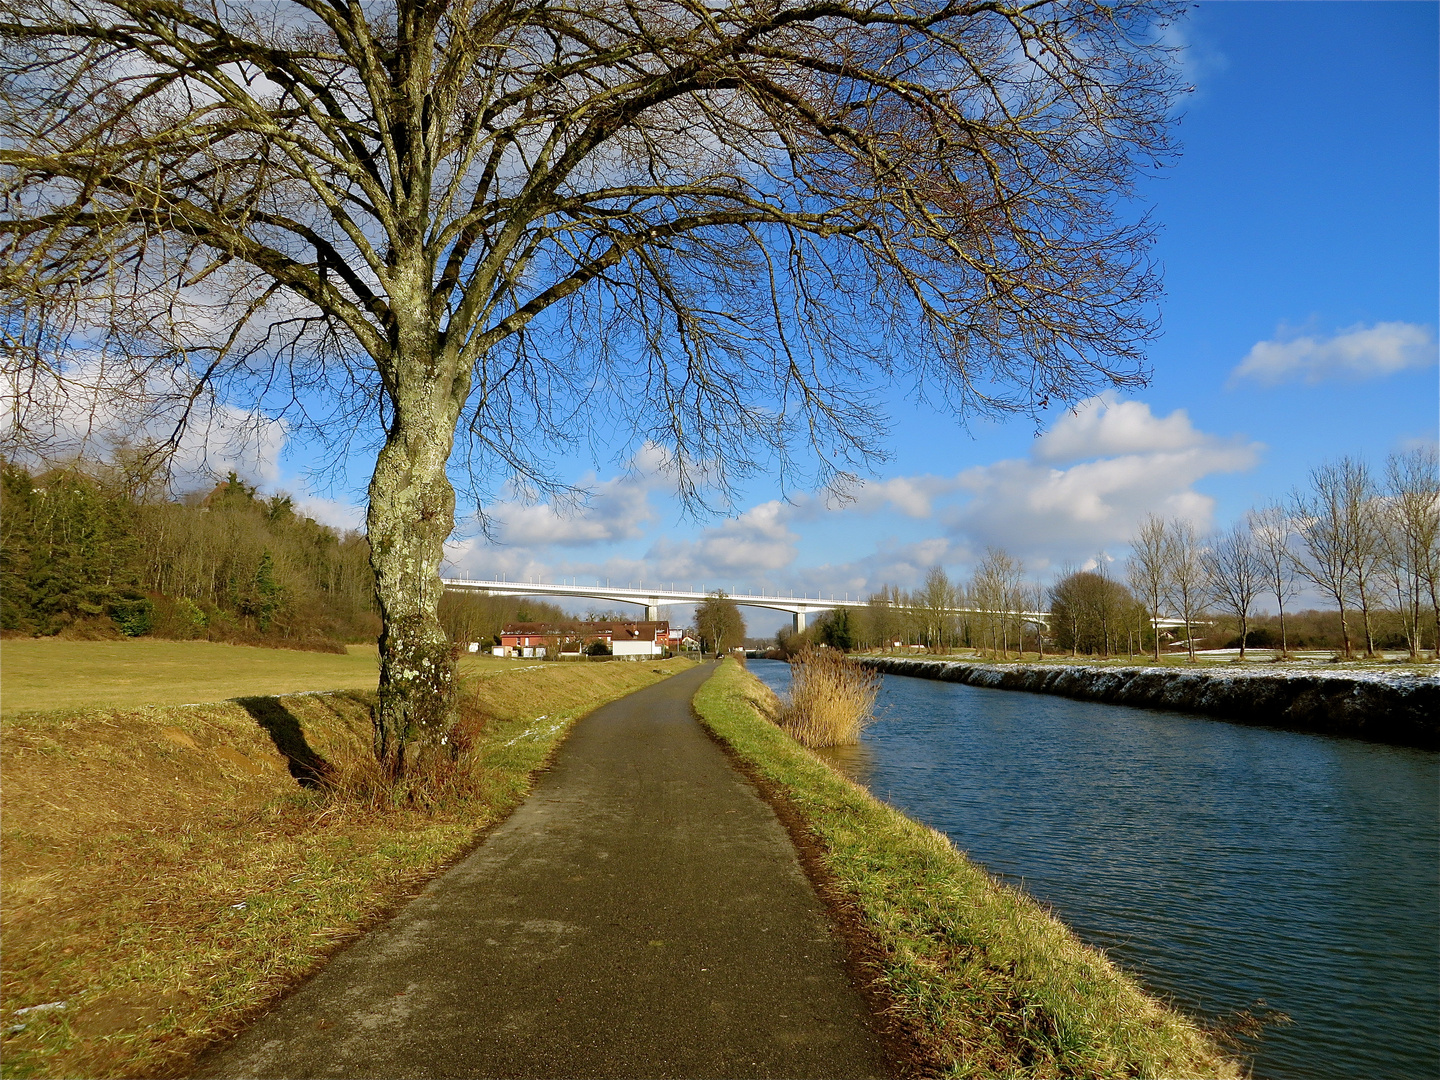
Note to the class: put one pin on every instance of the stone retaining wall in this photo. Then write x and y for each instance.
(1400, 708)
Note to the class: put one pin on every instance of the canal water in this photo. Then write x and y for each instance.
(1230, 868)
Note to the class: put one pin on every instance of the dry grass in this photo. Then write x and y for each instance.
(165, 876)
(831, 700)
(988, 982)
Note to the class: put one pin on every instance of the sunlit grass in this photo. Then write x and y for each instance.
(48, 674)
(165, 877)
(990, 983)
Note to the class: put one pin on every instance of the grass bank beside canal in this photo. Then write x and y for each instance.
(984, 979)
(165, 877)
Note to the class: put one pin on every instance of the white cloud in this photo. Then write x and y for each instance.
(1124, 463)
(96, 407)
(912, 496)
(608, 512)
(1104, 426)
(1360, 352)
(332, 512)
(1083, 489)
(747, 547)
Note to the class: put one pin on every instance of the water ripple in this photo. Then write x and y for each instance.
(1223, 864)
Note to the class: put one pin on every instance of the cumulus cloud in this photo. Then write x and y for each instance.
(1083, 488)
(1361, 352)
(1121, 463)
(912, 496)
(1104, 426)
(610, 512)
(97, 407)
(757, 542)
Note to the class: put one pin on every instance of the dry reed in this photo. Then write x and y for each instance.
(832, 698)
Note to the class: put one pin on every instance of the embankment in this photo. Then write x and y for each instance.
(981, 977)
(1401, 708)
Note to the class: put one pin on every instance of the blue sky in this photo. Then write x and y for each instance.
(1300, 258)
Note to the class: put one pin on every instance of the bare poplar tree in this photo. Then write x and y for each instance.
(1034, 594)
(522, 224)
(1234, 574)
(1273, 533)
(1187, 585)
(1104, 601)
(935, 602)
(1366, 532)
(1413, 549)
(1149, 570)
(1328, 519)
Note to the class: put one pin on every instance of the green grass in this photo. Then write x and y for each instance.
(48, 674)
(52, 675)
(165, 877)
(988, 982)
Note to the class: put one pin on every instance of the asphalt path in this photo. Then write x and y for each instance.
(642, 914)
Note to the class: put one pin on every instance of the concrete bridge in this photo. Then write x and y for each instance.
(653, 598)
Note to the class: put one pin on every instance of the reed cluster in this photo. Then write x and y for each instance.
(832, 698)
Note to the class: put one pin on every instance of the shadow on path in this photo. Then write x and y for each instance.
(642, 914)
(305, 764)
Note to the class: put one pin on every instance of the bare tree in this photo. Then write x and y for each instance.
(717, 227)
(935, 603)
(1234, 574)
(1149, 570)
(719, 622)
(1034, 594)
(1273, 533)
(1187, 578)
(1104, 601)
(996, 590)
(1329, 520)
(1413, 533)
(1366, 530)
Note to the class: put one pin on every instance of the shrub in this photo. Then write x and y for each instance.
(133, 613)
(832, 698)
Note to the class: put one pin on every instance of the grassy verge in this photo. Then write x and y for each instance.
(988, 982)
(165, 877)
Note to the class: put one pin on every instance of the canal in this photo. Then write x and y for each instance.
(1233, 869)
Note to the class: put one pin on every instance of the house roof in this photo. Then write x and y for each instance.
(616, 631)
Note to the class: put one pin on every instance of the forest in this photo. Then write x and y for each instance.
(81, 557)
(84, 556)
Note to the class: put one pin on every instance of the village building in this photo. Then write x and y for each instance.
(630, 640)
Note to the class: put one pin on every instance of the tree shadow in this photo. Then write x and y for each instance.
(306, 765)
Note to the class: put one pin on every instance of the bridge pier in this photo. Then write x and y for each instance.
(652, 612)
(798, 622)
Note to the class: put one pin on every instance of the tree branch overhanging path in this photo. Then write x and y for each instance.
(719, 226)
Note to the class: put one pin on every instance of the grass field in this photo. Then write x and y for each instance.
(986, 981)
(50, 675)
(165, 877)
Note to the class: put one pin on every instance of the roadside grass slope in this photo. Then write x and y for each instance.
(166, 876)
(986, 981)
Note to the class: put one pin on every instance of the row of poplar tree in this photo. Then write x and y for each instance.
(1366, 540)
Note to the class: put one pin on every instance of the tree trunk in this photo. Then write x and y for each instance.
(1365, 621)
(411, 515)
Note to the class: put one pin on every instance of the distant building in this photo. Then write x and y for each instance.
(632, 640)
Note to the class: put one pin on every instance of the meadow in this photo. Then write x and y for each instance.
(166, 876)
